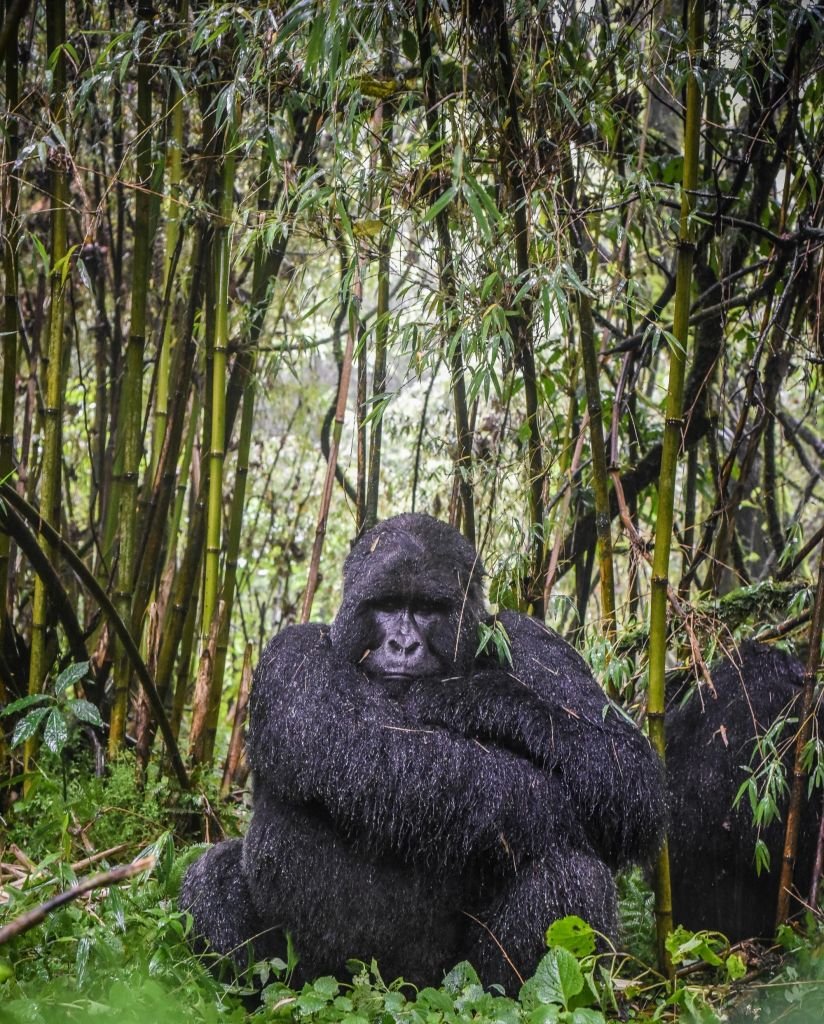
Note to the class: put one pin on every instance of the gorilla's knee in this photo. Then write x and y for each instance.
(215, 893)
(510, 938)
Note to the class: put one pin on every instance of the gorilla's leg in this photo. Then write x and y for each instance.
(340, 903)
(214, 891)
(513, 939)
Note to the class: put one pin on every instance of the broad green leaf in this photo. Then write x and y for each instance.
(71, 675)
(56, 731)
(84, 711)
(24, 702)
(558, 978)
(572, 933)
(28, 726)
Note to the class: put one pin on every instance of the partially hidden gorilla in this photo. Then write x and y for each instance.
(418, 802)
(711, 741)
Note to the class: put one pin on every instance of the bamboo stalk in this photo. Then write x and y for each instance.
(329, 479)
(805, 729)
(55, 383)
(174, 163)
(217, 448)
(234, 755)
(673, 428)
(131, 418)
(589, 361)
(11, 315)
(446, 274)
(522, 324)
(163, 485)
(382, 317)
(248, 359)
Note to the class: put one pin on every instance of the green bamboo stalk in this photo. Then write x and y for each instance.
(673, 428)
(249, 359)
(130, 421)
(522, 324)
(174, 164)
(180, 623)
(55, 383)
(183, 473)
(217, 448)
(382, 318)
(232, 554)
(446, 272)
(589, 361)
(11, 315)
(159, 497)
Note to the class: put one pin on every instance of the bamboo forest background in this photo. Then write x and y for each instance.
(273, 270)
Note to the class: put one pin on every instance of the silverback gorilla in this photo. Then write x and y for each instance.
(715, 884)
(416, 802)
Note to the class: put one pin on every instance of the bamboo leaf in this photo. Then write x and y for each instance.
(440, 203)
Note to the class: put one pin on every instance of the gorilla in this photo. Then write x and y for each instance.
(710, 743)
(415, 800)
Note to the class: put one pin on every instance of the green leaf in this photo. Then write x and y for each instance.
(71, 675)
(572, 933)
(24, 702)
(84, 711)
(56, 731)
(685, 945)
(585, 1015)
(736, 968)
(409, 45)
(558, 978)
(478, 213)
(440, 203)
(28, 726)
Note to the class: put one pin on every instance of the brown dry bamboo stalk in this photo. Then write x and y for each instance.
(33, 917)
(802, 738)
(235, 752)
(329, 479)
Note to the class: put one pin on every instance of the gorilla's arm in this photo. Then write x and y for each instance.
(321, 732)
(549, 708)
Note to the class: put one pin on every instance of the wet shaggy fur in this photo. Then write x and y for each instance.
(434, 821)
(712, 843)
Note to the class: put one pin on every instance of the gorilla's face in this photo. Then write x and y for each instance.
(412, 601)
(405, 634)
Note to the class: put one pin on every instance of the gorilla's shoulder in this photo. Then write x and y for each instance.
(535, 640)
(295, 644)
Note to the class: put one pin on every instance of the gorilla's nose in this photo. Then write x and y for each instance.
(404, 645)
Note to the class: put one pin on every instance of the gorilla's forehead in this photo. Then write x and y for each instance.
(400, 573)
(409, 556)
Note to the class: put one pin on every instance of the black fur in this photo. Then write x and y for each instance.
(434, 820)
(712, 843)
